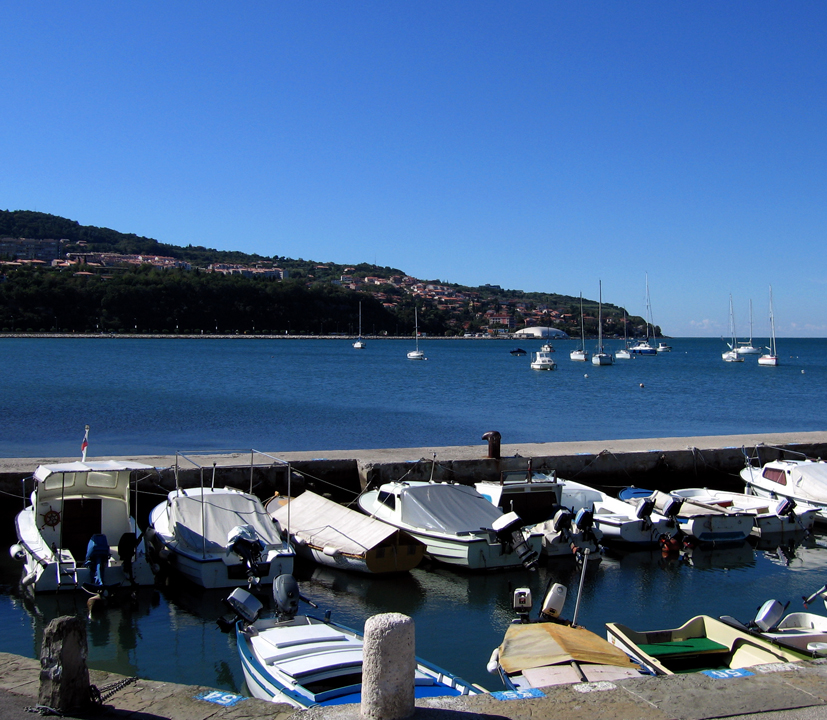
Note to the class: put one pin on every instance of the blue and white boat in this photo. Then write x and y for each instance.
(307, 661)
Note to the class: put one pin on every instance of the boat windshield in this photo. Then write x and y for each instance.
(446, 508)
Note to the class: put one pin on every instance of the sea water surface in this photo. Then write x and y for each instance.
(166, 395)
(161, 396)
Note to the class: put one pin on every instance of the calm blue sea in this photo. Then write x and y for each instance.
(162, 396)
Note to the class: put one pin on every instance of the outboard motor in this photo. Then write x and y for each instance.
(286, 596)
(562, 520)
(244, 542)
(769, 615)
(521, 602)
(508, 529)
(644, 510)
(584, 520)
(244, 606)
(553, 603)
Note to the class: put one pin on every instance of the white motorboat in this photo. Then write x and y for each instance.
(770, 358)
(804, 481)
(534, 497)
(219, 537)
(360, 344)
(745, 347)
(663, 347)
(307, 661)
(702, 643)
(71, 503)
(623, 524)
(581, 355)
(547, 347)
(457, 524)
(416, 354)
(331, 534)
(703, 524)
(732, 355)
(770, 517)
(542, 360)
(601, 357)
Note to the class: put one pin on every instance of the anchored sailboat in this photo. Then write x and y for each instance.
(771, 358)
(601, 357)
(580, 354)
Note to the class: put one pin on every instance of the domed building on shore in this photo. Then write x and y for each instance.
(541, 333)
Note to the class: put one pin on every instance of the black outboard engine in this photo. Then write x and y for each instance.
(244, 542)
(508, 529)
(644, 511)
(286, 596)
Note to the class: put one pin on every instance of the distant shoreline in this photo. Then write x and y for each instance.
(248, 336)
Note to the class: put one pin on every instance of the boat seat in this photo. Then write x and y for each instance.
(688, 646)
(301, 635)
(318, 663)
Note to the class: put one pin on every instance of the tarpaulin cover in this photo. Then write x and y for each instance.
(446, 508)
(222, 512)
(538, 644)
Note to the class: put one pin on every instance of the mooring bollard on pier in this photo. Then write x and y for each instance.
(389, 667)
(64, 675)
(494, 439)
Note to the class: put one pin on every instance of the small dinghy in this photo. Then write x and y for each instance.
(307, 661)
(330, 534)
(701, 644)
(803, 632)
(552, 651)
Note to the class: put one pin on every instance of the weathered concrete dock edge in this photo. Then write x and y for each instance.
(789, 690)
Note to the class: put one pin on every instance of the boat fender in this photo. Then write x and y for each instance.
(29, 579)
(17, 552)
(331, 551)
(669, 543)
(493, 661)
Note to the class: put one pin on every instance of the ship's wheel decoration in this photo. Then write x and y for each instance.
(51, 518)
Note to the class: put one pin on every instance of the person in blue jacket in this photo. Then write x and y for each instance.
(97, 557)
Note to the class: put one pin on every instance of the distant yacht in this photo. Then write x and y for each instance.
(580, 354)
(601, 357)
(416, 354)
(732, 355)
(747, 348)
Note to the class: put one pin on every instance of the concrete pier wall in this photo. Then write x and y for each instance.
(657, 463)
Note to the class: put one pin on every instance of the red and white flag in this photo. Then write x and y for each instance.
(84, 445)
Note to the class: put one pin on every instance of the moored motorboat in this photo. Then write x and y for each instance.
(331, 534)
(702, 644)
(307, 661)
(804, 481)
(457, 524)
(79, 531)
(535, 497)
(704, 524)
(542, 360)
(769, 516)
(623, 524)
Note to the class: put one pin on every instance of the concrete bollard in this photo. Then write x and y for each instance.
(64, 676)
(389, 667)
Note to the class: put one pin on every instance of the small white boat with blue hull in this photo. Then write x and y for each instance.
(307, 661)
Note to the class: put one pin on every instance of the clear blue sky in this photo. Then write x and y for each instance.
(537, 145)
